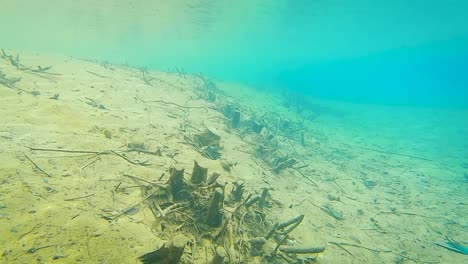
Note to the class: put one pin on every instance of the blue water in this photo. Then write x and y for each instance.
(370, 97)
(391, 52)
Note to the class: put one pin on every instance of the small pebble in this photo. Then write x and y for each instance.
(108, 134)
(49, 189)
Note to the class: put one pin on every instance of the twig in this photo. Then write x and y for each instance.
(159, 209)
(144, 163)
(31, 189)
(404, 213)
(106, 152)
(65, 150)
(37, 167)
(340, 246)
(30, 231)
(301, 250)
(279, 243)
(306, 177)
(294, 222)
(170, 103)
(89, 164)
(147, 181)
(358, 246)
(77, 198)
(98, 75)
(389, 152)
(123, 211)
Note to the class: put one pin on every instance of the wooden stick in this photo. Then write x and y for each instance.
(147, 181)
(106, 152)
(170, 103)
(32, 229)
(123, 211)
(98, 75)
(159, 209)
(144, 163)
(301, 250)
(32, 190)
(358, 246)
(279, 243)
(64, 150)
(37, 167)
(77, 198)
(389, 152)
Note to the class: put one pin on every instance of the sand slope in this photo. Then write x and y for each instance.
(394, 207)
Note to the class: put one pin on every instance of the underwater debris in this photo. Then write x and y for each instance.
(214, 216)
(211, 152)
(199, 174)
(281, 163)
(40, 71)
(208, 89)
(33, 250)
(236, 192)
(95, 103)
(170, 103)
(369, 184)
(55, 97)
(220, 256)
(332, 212)
(207, 138)
(99, 153)
(107, 134)
(454, 246)
(301, 250)
(137, 146)
(254, 125)
(229, 223)
(208, 143)
(176, 181)
(169, 253)
(37, 166)
(233, 114)
(98, 75)
(9, 83)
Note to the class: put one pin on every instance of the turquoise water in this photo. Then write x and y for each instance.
(369, 98)
(386, 51)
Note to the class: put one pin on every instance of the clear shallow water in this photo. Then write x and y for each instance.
(395, 52)
(394, 71)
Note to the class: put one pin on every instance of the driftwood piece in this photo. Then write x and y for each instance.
(79, 198)
(214, 176)
(169, 253)
(256, 246)
(174, 104)
(10, 83)
(332, 212)
(252, 201)
(301, 250)
(263, 196)
(208, 138)
(37, 166)
(213, 216)
(233, 114)
(176, 181)
(272, 231)
(289, 225)
(199, 174)
(220, 255)
(237, 191)
(235, 119)
(105, 152)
